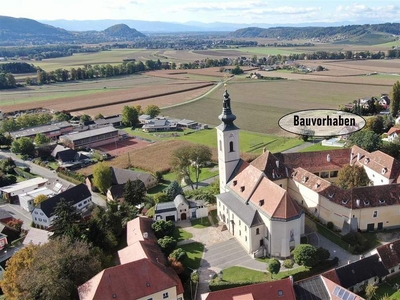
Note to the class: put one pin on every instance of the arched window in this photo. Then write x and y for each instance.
(258, 231)
(231, 147)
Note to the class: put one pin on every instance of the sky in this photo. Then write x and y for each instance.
(231, 11)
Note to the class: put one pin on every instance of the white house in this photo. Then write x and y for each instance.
(26, 200)
(22, 187)
(180, 209)
(79, 196)
(393, 133)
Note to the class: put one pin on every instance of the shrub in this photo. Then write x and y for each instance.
(288, 263)
(329, 225)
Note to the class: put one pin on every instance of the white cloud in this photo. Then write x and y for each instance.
(286, 10)
(232, 5)
(361, 11)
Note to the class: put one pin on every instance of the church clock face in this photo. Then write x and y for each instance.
(231, 135)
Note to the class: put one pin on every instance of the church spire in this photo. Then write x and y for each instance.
(227, 117)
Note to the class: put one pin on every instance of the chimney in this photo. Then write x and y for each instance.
(358, 156)
(291, 279)
(145, 235)
(358, 202)
(348, 262)
(391, 247)
(328, 158)
(277, 164)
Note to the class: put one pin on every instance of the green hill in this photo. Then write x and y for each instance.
(123, 31)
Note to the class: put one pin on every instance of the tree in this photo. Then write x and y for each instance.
(152, 110)
(161, 197)
(163, 228)
(176, 265)
(375, 124)
(178, 254)
(186, 158)
(395, 101)
(24, 146)
(41, 139)
(62, 116)
(134, 192)
(130, 116)
(39, 199)
(305, 255)
(323, 254)
(59, 268)
(85, 118)
(19, 262)
(102, 177)
(98, 116)
(167, 244)
(368, 140)
(67, 221)
(274, 266)
(237, 70)
(5, 140)
(352, 176)
(9, 125)
(370, 291)
(173, 190)
(7, 165)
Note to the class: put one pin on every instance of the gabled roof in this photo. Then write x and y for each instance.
(393, 130)
(4, 214)
(121, 176)
(247, 213)
(179, 199)
(245, 182)
(270, 166)
(361, 270)
(279, 289)
(74, 195)
(390, 254)
(67, 155)
(136, 228)
(274, 201)
(57, 149)
(142, 250)
(130, 281)
(311, 289)
(334, 290)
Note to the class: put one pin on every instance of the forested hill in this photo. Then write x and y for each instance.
(124, 31)
(20, 31)
(337, 33)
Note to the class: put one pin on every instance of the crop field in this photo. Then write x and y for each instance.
(259, 104)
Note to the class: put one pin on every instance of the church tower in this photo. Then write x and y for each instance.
(228, 143)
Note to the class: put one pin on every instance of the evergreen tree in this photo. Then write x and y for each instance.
(66, 221)
(134, 192)
(395, 101)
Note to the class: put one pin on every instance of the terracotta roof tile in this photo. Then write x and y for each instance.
(331, 275)
(140, 250)
(271, 166)
(390, 254)
(310, 180)
(244, 183)
(138, 227)
(274, 200)
(133, 280)
(330, 287)
(393, 130)
(279, 289)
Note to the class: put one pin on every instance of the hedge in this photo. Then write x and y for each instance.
(223, 285)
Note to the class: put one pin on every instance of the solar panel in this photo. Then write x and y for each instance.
(341, 292)
(346, 295)
(336, 291)
(351, 297)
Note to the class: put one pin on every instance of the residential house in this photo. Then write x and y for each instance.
(384, 101)
(390, 257)
(142, 274)
(393, 134)
(79, 196)
(184, 123)
(357, 275)
(119, 177)
(5, 216)
(26, 200)
(67, 157)
(11, 233)
(114, 120)
(278, 289)
(320, 288)
(3, 241)
(90, 138)
(180, 209)
(143, 119)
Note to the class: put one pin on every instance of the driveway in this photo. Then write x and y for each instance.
(18, 213)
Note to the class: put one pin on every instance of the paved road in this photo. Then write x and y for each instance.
(18, 213)
(46, 173)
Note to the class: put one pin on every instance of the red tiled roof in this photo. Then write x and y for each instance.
(279, 289)
(140, 250)
(244, 183)
(330, 287)
(274, 200)
(271, 166)
(133, 280)
(393, 130)
(331, 275)
(137, 227)
(390, 254)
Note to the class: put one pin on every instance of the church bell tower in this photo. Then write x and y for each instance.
(228, 143)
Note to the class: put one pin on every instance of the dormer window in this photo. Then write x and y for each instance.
(261, 202)
(381, 201)
(304, 179)
(317, 185)
(294, 173)
(331, 195)
(366, 202)
(234, 182)
(345, 201)
(242, 188)
(366, 160)
(384, 170)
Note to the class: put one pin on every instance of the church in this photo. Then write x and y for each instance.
(263, 202)
(255, 207)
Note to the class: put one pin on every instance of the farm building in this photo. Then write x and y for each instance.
(159, 124)
(90, 138)
(262, 203)
(52, 131)
(180, 209)
(22, 187)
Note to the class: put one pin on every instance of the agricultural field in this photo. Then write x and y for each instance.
(259, 104)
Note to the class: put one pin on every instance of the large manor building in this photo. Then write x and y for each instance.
(262, 203)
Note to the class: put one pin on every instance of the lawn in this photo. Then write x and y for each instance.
(318, 147)
(181, 234)
(240, 274)
(200, 223)
(194, 253)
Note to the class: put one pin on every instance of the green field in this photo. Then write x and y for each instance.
(318, 147)
(269, 50)
(194, 253)
(259, 104)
